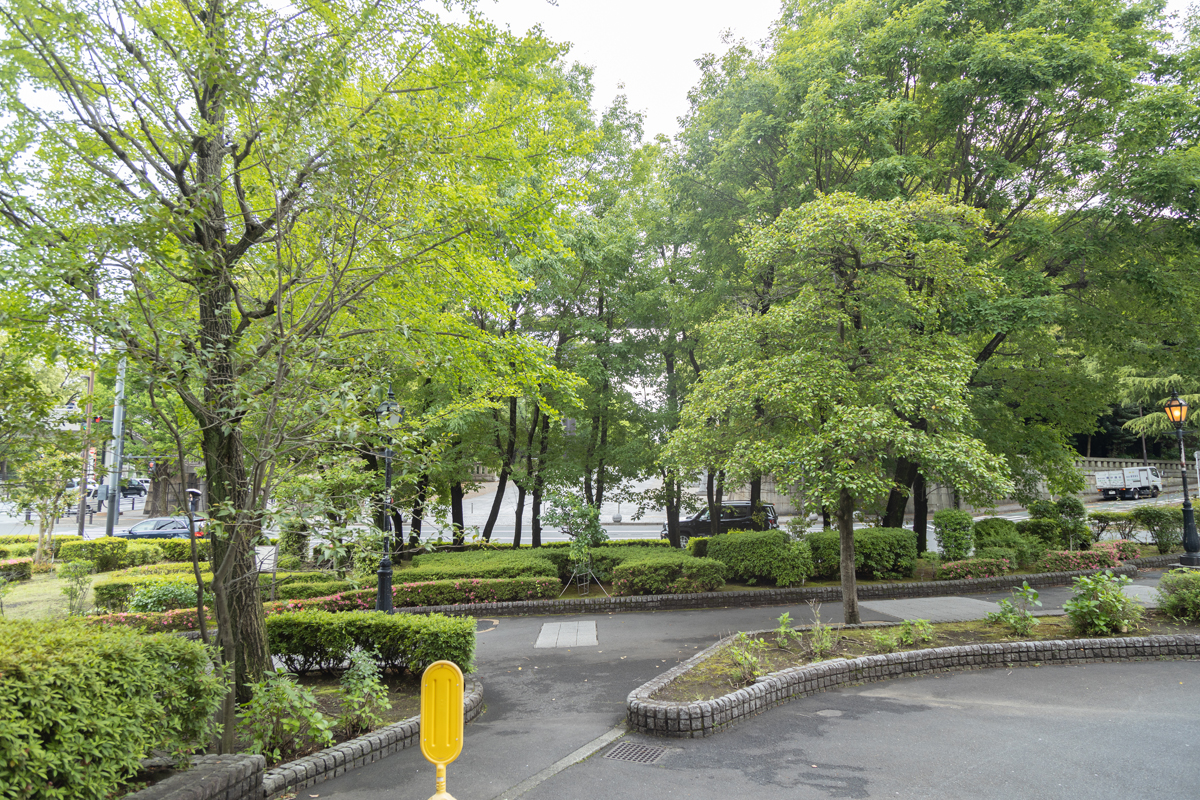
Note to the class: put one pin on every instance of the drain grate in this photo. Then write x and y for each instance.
(637, 753)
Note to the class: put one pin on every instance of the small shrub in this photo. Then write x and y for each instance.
(17, 550)
(1018, 618)
(180, 550)
(1003, 533)
(293, 541)
(975, 568)
(1099, 607)
(668, 573)
(1179, 594)
(1076, 560)
(165, 597)
(785, 633)
(289, 562)
(1043, 509)
(879, 553)
(762, 555)
(910, 632)
(1072, 521)
(282, 718)
(698, 546)
(105, 553)
(820, 637)
(364, 696)
(1104, 522)
(744, 652)
(1047, 531)
(953, 530)
(885, 641)
(1121, 549)
(1007, 553)
(1165, 526)
(77, 576)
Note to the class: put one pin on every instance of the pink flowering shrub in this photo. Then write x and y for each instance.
(19, 569)
(181, 619)
(1121, 549)
(1076, 560)
(974, 568)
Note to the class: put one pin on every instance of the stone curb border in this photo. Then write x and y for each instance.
(706, 717)
(1155, 562)
(371, 747)
(229, 777)
(763, 597)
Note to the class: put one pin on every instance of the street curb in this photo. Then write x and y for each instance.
(764, 597)
(702, 718)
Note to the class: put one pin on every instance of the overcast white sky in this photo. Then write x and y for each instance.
(648, 45)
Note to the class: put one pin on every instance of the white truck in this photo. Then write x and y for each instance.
(1129, 483)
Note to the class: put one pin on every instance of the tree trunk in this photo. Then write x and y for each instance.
(505, 470)
(418, 514)
(521, 486)
(673, 499)
(457, 520)
(539, 483)
(756, 496)
(826, 521)
(716, 498)
(602, 452)
(906, 471)
(921, 513)
(589, 494)
(845, 519)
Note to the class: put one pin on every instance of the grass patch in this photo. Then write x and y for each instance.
(40, 597)
(725, 670)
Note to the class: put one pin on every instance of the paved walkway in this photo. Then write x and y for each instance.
(553, 714)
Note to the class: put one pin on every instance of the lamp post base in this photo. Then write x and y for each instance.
(1191, 560)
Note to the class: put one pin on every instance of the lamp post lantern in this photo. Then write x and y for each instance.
(1177, 411)
(387, 413)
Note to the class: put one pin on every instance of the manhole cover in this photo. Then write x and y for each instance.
(637, 753)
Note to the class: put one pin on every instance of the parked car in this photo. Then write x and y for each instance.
(735, 516)
(162, 528)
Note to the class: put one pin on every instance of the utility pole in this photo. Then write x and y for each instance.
(87, 445)
(114, 476)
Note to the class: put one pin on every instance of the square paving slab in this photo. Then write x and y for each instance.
(568, 634)
(934, 609)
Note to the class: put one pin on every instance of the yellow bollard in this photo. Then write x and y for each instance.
(441, 719)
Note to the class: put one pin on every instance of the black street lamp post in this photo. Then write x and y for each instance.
(386, 413)
(1177, 411)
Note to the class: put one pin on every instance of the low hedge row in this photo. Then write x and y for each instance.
(181, 549)
(56, 542)
(181, 619)
(670, 572)
(879, 553)
(106, 553)
(478, 564)
(972, 568)
(17, 569)
(698, 546)
(80, 707)
(115, 591)
(429, 593)
(1076, 560)
(319, 640)
(141, 553)
(17, 550)
(753, 556)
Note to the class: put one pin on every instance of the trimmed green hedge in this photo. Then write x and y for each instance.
(671, 572)
(141, 553)
(1076, 560)
(879, 553)
(998, 552)
(319, 640)
(477, 564)
(752, 556)
(1121, 549)
(1047, 531)
(105, 553)
(80, 707)
(17, 569)
(973, 568)
(698, 546)
(115, 591)
(181, 549)
(430, 593)
(1179, 594)
(56, 541)
(17, 550)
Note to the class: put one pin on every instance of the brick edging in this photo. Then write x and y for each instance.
(1153, 562)
(370, 747)
(752, 599)
(706, 717)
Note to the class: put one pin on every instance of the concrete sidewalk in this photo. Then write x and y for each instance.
(549, 708)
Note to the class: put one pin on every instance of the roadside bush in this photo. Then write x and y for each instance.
(319, 640)
(364, 695)
(1043, 509)
(165, 597)
(996, 532)
(698, 546)
(82, 706)
(668, 573)
(953, 530)
(1117, 522)
(115, 592)
(105, 553)
(752, 556)
(974, 568)
(879, 553)
(1046, 531)
(1164, 524)
(21, 540)
(1121, 549)
(1179, 594)
(180, 550)
(1098, 606)
(1008, 553)
(1076, 560)
(17, 569)
(139, 554)
(76, 577)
